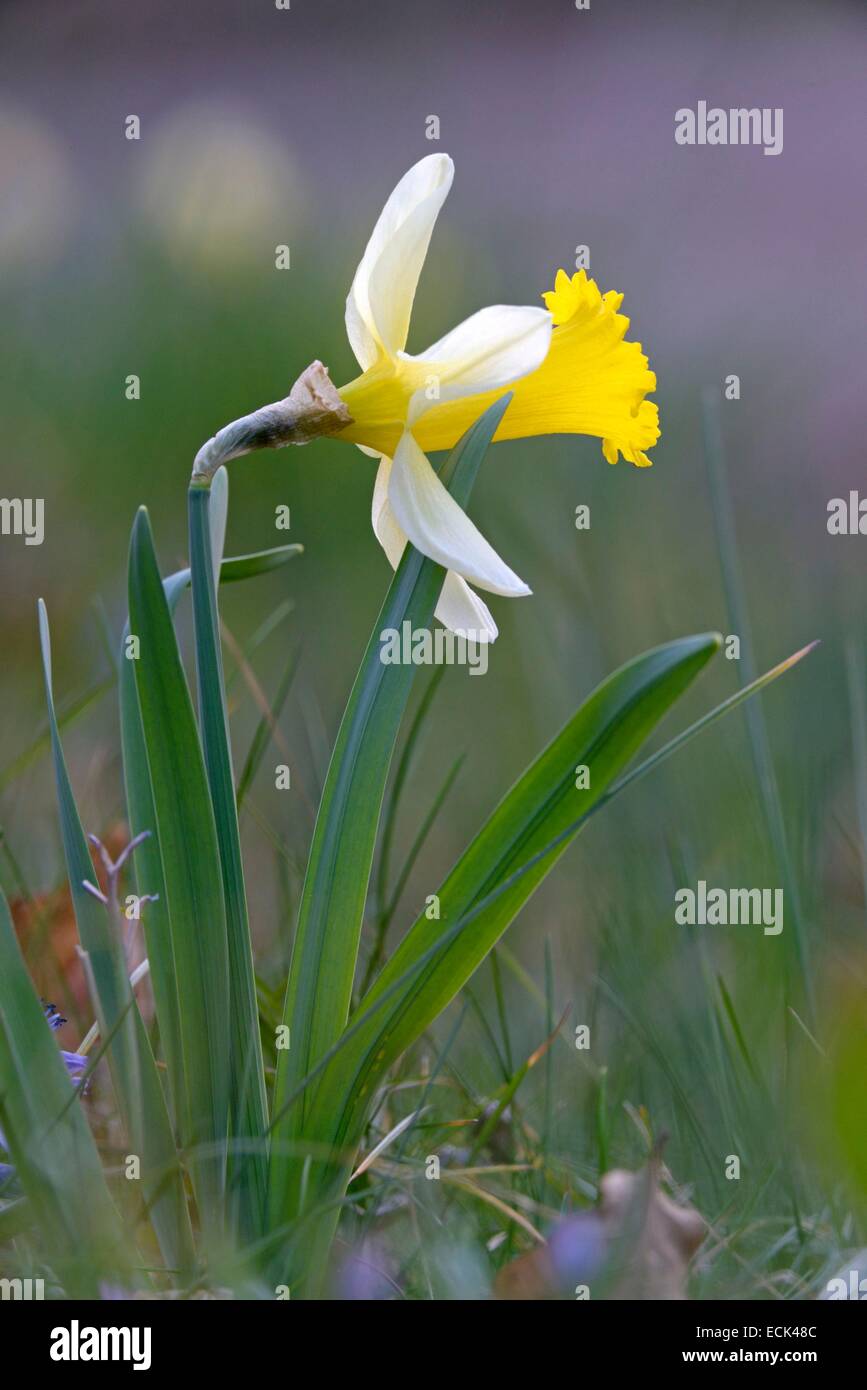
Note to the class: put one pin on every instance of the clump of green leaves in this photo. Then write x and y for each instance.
(238, 1175)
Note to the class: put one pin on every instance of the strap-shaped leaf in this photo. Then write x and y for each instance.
(248, 1122)
(192, 876)
(148, 866)
(338, 870)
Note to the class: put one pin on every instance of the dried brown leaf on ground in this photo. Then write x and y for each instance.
(637, 1243)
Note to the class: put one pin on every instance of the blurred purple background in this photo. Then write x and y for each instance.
(261, 127)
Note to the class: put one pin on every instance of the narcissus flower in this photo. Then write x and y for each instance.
(568, 365)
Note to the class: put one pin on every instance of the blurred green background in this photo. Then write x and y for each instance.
(156, 258)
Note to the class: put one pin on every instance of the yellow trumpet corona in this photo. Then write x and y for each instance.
(592, 381)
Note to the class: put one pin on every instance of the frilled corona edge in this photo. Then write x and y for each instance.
(312, 408)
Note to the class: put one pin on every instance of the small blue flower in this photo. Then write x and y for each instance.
(75, 1063)
(53, 1015)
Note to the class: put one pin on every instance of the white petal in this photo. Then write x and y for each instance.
(385, 528)
(380, 302)
(438, 527)
(463, 611)
(490, 349)
(458, 608)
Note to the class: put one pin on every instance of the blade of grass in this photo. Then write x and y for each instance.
(392, 803)
(65, 716)
(248, 676)
(377, 954)
(501, 1009)
(50, 1144)
(269, 625)
(136, 1082)
(260, 739)
(757, 728)
(857, 690)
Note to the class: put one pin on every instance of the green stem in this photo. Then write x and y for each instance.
(248, 1106)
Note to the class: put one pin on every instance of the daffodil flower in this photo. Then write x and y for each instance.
(568, 366)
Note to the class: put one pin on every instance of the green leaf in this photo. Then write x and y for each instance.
(248, 1116)
(603, 736)
(148, 865)
(513, 852)
(133, 1070)
(192, 876)
(325, 951)
(239, 567)
(48, 1138)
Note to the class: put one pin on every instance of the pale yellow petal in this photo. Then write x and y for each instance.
(431, 518)
(380, 301)
(491, 349)
(458, 608)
